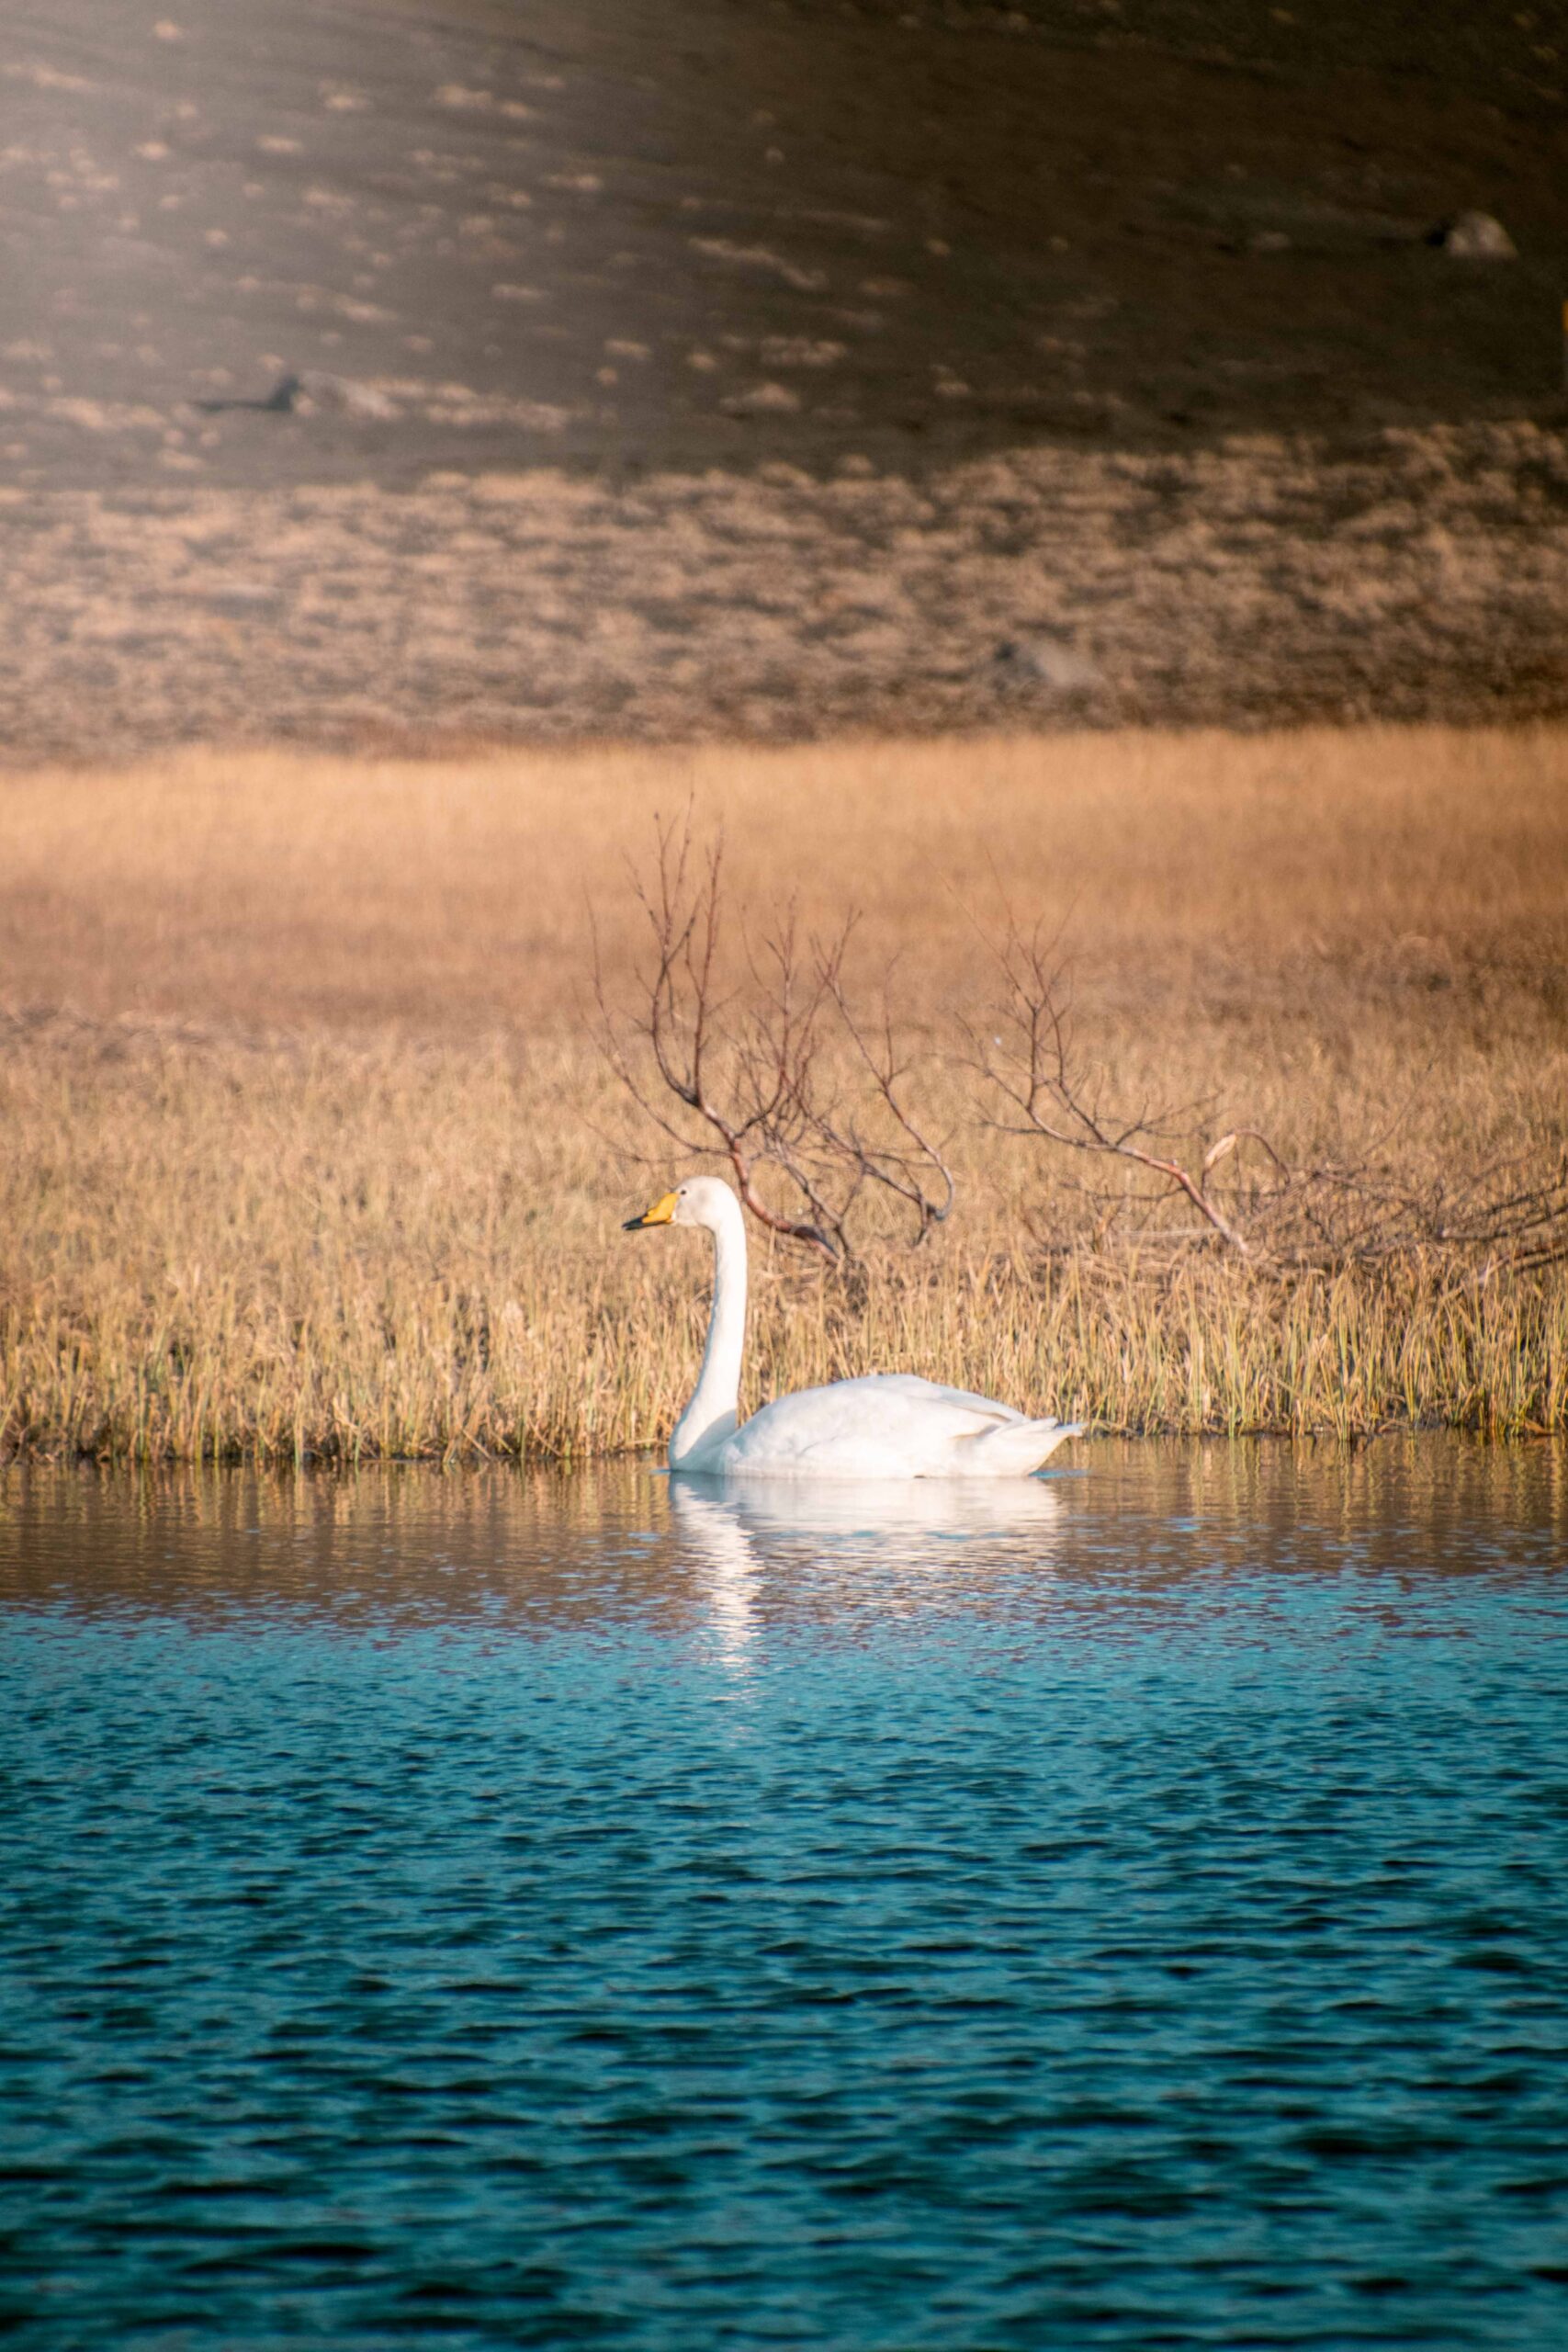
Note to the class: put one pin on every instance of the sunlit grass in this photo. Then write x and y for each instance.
(304, 1132)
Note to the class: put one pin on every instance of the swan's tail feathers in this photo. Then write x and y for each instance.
(1013, 1449)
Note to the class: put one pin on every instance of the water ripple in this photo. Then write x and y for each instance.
(1132, 1913)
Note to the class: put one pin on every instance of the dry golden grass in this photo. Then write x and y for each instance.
(304, 1124)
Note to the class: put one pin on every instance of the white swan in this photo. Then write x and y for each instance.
(889, 1424)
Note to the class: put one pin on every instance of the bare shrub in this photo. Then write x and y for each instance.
(778, 1064)
(1040, 1082)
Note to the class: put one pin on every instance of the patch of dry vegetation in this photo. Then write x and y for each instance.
(309, 1148)
(1278, 577)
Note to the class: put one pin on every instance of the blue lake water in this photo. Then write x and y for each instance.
(1130, 1910)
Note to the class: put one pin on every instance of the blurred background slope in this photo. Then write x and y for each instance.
(758, 368)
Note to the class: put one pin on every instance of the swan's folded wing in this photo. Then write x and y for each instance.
(883, 1425)
(932, 1392)
(1011, 1450)
(848, 1421)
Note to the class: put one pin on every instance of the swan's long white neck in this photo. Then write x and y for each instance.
(712, 1414)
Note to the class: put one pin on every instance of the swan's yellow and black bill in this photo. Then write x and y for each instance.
(659, 1214)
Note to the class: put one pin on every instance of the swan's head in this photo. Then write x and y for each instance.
(701, 1200)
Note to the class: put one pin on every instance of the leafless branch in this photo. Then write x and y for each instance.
(1028, 1061)
(1038, 1084)
(748, 1070)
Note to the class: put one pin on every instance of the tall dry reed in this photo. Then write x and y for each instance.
(308, 1149)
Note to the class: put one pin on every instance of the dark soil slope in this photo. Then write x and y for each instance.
(669, 363)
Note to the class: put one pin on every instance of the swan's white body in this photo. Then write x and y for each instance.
(889, 1425)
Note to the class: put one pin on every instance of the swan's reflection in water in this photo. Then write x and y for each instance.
(901, 1547)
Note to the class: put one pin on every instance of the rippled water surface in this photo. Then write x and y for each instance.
(1128, 1911)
